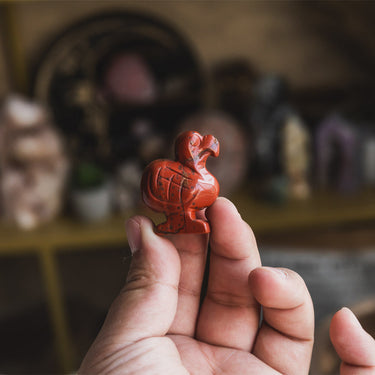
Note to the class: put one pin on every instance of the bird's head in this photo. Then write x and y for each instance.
(191, 148)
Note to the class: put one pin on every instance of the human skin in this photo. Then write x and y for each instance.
(355, 347)
(157, 325)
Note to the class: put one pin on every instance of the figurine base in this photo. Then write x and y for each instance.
(183, 226)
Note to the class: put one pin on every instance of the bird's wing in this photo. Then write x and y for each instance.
(179, 183)
(172, 183)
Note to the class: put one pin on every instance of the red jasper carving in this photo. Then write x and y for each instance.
(181, 188)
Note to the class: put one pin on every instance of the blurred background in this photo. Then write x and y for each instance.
(92, 91)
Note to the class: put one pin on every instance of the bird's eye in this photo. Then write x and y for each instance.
(194, 141)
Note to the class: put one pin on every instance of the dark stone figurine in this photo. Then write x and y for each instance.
(338, 154)
(183, 187)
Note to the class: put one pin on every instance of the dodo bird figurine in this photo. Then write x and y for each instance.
(181, 188)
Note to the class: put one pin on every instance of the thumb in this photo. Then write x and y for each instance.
(147, 304)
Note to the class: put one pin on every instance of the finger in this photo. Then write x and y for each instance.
(147, 304)
(200, 358)
(192, 249)
(229, 315)
(346, 369)
(353, 344)
(286, 337)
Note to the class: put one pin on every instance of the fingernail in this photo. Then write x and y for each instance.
(133, 231)
(231, 204)
(234, 208)
(353, 318)
(277, 271)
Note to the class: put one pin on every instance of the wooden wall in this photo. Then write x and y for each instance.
(314, 44)
(4, 78)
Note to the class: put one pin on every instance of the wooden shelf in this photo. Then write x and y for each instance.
(322, 209)
(63, 234)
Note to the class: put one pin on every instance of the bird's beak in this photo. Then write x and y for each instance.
(211, 144)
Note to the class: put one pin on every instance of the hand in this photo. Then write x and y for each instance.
(156, 325)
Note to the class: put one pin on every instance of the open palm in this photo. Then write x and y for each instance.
(157, 326)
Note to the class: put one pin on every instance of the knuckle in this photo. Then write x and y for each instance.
(138, 279)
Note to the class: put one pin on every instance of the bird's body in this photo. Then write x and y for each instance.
(181, 188)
